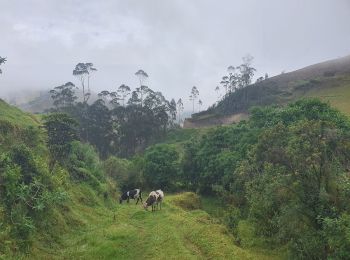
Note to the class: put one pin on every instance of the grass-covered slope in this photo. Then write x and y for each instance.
(127, 231)
(336, 92)
(329, 81)
(16, 116)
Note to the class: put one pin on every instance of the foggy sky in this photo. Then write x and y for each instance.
(179, 43)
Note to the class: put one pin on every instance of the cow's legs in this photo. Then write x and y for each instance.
(128, 200)
(137, 201)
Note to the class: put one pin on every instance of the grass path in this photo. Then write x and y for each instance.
(172, 233)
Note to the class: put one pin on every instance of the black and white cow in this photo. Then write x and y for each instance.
(131, 194)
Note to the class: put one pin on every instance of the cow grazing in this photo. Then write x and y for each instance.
(131, 194)
(160, 198)
(155, 199)
(151, 201)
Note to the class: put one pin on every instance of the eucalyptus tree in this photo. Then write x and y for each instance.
(90, 68)
(134, 99)
(142, 76)
(246, 74)
(200, 103)
(180, 108)
(225, 83)
(2, 60)
(232, 78)
(104, 95)
(172, 109)
(64, 95)
(246, 71)
(115, 97)
(194, 95)
(123, 91)
(83, 71)
(217, 90)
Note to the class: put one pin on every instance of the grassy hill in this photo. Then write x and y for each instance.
(16, 116)
(329, 81)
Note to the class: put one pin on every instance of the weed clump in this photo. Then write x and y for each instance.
(188, 201)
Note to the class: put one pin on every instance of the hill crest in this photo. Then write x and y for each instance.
(329, 81)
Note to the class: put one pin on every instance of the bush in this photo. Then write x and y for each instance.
(118, 169)
(27, 192)
(188, 201)
(161, 166)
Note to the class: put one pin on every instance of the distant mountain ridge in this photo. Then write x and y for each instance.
(37, 101)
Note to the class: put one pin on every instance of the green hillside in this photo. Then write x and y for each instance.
(16, 116)
(336, 92)
(329, 81)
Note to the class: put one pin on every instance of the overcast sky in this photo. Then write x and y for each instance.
(179, 43)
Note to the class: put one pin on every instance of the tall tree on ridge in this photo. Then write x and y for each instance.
(217, 90)
(246, 70)
(64, 95)
(194, 95)
(200, 103)
(2, 60)
(225, 83)
(232, 78)
(142, 76)
(172, 109)
(90, 68)
(83, 71)
(180, 108)
(247, 73)
(124, 91)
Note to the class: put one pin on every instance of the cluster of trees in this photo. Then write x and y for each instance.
(237, 94)
(119, 122)
(194, 97)
(285, 171)
(238, 77)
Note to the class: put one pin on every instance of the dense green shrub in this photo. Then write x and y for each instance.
(188, 201)
(161, 166)
(61, 131)
(126, 173)
(27, 193)
(85, 166)
(117, 168)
